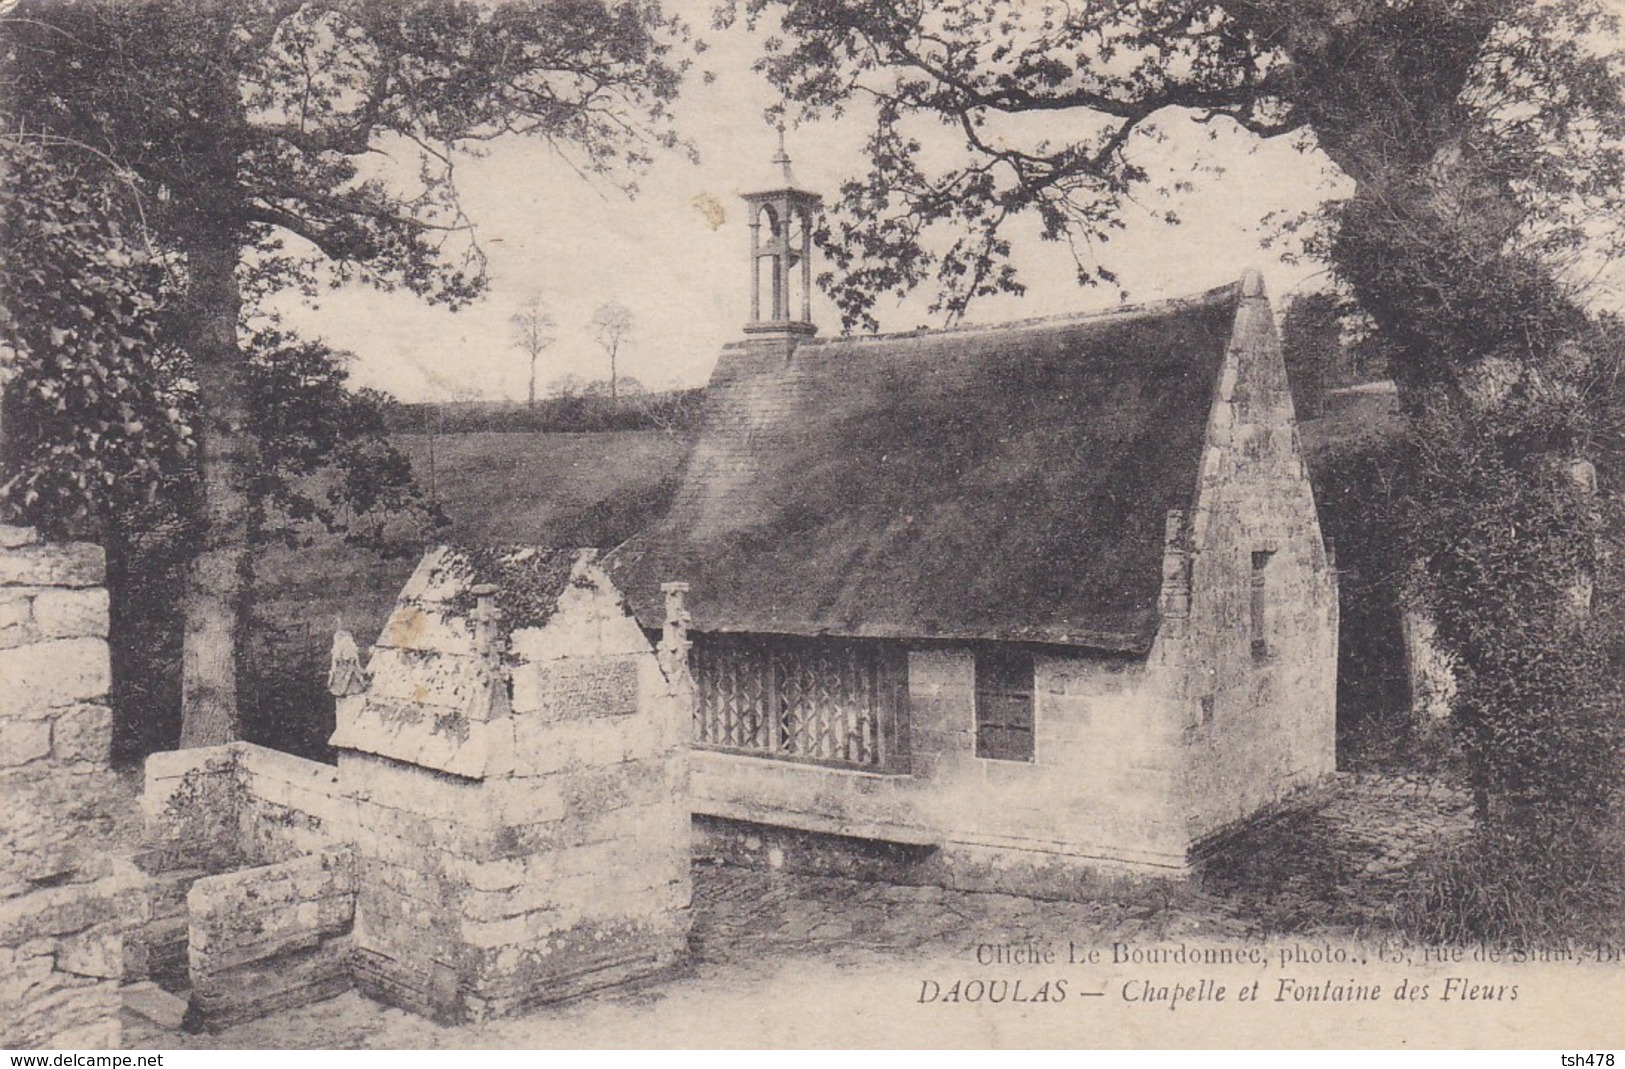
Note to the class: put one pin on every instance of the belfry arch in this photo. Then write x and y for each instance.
(781, 225)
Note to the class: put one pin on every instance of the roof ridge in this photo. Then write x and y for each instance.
(1142, 309)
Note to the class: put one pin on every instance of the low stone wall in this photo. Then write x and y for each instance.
(1004, 869)
(266, 938)
(192, 801)
(291, 807)
(217, 808)
(213, 810)
(65, 901)
(766, 846)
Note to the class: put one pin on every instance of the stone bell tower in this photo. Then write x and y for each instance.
(781, 225)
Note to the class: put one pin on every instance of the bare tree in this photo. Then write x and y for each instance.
(612, 325)
(533, 334)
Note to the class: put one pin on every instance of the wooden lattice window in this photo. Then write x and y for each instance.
(1004, 705)
(801, 699)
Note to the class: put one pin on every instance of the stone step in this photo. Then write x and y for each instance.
(148, 1000)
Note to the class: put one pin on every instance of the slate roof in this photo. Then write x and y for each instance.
(1006, 483)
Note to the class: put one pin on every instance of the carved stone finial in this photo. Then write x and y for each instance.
(345, 675)
(781, 160)
(486, 616)
(674, 643)
(1176, 566)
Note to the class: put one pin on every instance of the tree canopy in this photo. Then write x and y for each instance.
(337, 123)
(1462, 123)
(93, 423)
(256, 145)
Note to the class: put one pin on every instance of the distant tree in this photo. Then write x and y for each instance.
(533, 333)
(625, 386)
(307, 420)
(235, 127)
(612, 326)
(567, 386)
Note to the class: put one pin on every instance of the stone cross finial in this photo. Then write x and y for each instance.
(782, 159)
(486, 616)
(345, 676)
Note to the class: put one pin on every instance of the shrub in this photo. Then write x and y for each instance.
(1513, 549)
(1524, 888)
(1521, 572)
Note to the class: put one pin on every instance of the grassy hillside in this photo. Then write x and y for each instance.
(540, 487)
(544, 489)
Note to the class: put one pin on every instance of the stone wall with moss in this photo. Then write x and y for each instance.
(519, 772)
(507, 824)
(65, 900)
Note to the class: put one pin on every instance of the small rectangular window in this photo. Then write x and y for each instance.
(1004, 705)
(1259, 602)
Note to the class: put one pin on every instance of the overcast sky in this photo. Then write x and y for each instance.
(548, 231)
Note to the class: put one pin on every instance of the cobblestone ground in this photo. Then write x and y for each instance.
(762, 940)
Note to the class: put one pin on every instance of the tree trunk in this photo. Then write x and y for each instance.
(218, 581)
